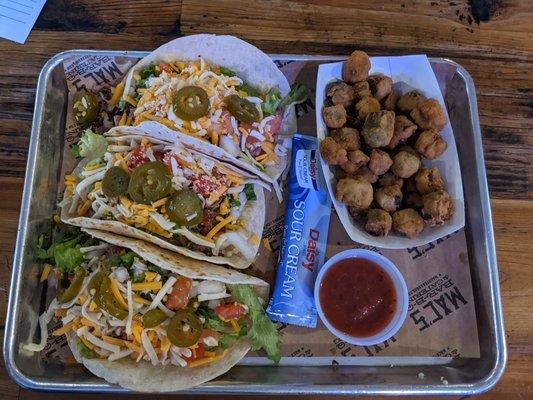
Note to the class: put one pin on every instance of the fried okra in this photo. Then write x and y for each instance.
(405, 163)
(362, 90)
(379, 162)
(355, 192)
(366, 106)
(428, 114)
(334, 116)
(348, 138)
(378, 128)
(356, 67)
(389, 102)
(380, 86)
(437, 207)
(430, 144)
(409, 100)
(428, 180)
(332, 152)
(389, 198)
(367, 175)
(390, 179)
(378, 222)
(407, 222)
(356, 159)
(403, 129)
(341, 93)
(412, 200)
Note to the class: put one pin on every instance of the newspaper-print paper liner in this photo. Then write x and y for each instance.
(408, 73)
(441, 322)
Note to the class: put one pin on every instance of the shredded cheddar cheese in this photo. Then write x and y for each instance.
(207, 360)
(65, 328)
(130, 100)
(140, 287)
(235, 326)
(219, 226)
(46, 271)
(254, 239)
(116, 293)
(87, 343)
(117, 93)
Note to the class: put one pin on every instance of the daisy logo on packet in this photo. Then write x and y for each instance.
(305, 234)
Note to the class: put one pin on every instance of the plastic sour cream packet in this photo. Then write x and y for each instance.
(305, 236)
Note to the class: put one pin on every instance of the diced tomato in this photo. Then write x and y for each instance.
(138, 157)
(198, 352)
(209, 333)
(163, 66)
(159, 155)
(274, 125)
(256, 150)
(230, 311)
(179, 297)
(205, 185)
(251, 140)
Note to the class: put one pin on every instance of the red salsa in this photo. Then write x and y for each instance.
(357, 297)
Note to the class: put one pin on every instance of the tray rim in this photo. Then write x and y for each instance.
(495, 303)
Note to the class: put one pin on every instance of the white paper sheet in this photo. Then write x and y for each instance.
(407, 73)
(17, 17)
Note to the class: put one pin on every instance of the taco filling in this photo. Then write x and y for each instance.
(117, 305)
(215, 105)
(166, 190)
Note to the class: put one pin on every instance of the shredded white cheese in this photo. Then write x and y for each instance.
(147, 345)
(162, 292)
(130, 308)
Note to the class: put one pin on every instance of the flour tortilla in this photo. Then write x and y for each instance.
(143, 376)
(253, 216)
(250, 64)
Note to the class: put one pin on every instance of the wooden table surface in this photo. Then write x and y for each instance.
(492, 39)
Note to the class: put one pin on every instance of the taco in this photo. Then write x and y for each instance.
(148, 319)
(220, 95)
(166, 194)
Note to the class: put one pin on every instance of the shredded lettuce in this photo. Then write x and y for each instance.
(112, 261)
(75, 150)
(65, 253)
(127, 258)
(263, 332)
(211, 319)
(298, 94)
(84, 350)
(92, 146)
(227, 339)
(271, 102)
(248, 89)
(154, 268)
(233, 202)
(249, 192)
(227, 72)
(122, 104)
(149, 71)
(138, 278)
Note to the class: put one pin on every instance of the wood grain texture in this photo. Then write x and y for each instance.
(492, 39)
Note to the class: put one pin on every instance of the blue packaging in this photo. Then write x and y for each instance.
(305, 235)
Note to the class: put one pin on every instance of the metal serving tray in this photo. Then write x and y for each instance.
(465, 375)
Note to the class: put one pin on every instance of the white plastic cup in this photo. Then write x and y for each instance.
(402, 297)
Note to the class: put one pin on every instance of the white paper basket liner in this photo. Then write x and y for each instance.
(407, 73)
